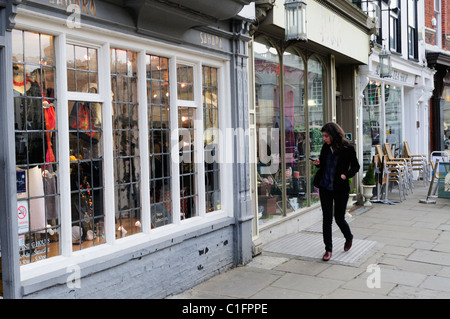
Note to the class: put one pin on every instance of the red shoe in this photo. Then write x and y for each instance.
(348, 244)
(327, 256)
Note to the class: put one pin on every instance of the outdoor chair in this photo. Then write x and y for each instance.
(392, 172)
(419, 163)
(409, 184)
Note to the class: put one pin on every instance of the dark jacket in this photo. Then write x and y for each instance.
(347, 164)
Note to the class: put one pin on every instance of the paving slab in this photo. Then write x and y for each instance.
(408, 292)
(309, 284)
(432, 257)
(437, 283)
(283, 293)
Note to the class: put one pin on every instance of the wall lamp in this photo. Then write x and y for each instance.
(385, 63)
(295, 28)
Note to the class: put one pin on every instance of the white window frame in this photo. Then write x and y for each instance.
(89, 36)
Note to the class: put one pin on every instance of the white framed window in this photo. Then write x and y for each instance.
(438, 22)
(114, 95)
(412, 29)
(394, 27)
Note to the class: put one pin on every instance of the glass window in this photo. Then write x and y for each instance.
(372, 116)
(188, 170)
(438, 27)
(185, 82)
(127, 170)
(393, 111)
(37, 164)
(86, 173)
(267, 97)
(211, 138)
(157, 70)
(316, 113)
(82, 68)
(412, 27)
(445, 105)
(394, 27)
(295, 131)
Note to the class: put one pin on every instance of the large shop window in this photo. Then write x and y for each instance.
(372, 119)
(382, 118)
(299, 121)
(393, 113)
(35, 108)
(86, 150)
(116, 159)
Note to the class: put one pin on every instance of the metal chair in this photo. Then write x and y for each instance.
(391, 172)
(419, 162)
(409, 184)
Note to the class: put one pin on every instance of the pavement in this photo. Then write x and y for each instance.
(400, 251)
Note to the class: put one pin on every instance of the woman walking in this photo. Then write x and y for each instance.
(337, 163)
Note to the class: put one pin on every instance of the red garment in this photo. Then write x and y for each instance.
(50, 124)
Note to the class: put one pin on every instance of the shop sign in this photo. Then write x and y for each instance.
(78, 6)
(396, 75)
(210, 40)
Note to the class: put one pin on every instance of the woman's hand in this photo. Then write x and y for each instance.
(343, 177)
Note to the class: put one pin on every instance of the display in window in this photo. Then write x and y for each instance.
(211, 139)
(35, 140)
(82, 69)
(188, 172)
(127, 170)
(86, 172)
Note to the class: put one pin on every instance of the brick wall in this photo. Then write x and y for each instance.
(445, 25)
(155, 274)
(430, 37)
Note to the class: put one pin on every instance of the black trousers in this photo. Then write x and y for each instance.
(328, 199)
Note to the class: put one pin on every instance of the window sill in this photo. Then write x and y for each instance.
(61, 269)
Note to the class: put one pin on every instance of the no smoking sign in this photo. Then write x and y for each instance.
(22, 216)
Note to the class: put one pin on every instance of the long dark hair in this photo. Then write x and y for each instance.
(338, 140)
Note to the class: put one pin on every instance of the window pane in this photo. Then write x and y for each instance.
(86, 173)
(82, 75)
(188, 172)
(295, 130)
(268, 131)
(211, 138)
(127, 168)
(372, 130)
(35, 138)
(316, 113)
(445, 106)
(185, 82)
(159, 142)
(393, 110)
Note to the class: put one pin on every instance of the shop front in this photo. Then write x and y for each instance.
(117, 152)
(298, 87)
(440, 102)
(395, 110)
(397, 84)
